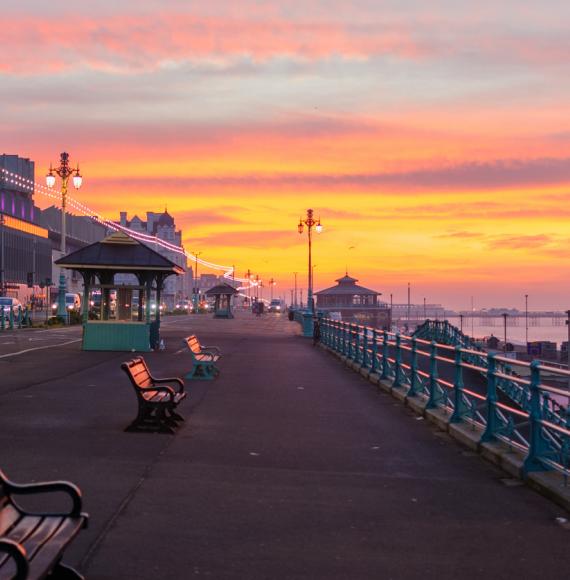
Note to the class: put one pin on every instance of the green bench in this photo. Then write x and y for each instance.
(204, 359)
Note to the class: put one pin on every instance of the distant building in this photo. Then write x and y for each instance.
(542, 349)
(25, 248)
(162, 226)
(355, 303)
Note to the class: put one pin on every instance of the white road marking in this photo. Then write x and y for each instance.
(38, 348)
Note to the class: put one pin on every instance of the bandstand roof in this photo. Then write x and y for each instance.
(221, 289)
(347, 285)
(119, 252)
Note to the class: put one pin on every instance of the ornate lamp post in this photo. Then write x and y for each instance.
(196, 289)
(65, 172)
(311, 223)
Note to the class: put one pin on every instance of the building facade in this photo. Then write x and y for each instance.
(162, 226)
(25, 247)
(354, 303)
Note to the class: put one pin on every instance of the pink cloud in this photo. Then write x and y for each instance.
(143, 42)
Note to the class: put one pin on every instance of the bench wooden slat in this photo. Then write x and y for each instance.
(42, 534)
(9, 515)
(51, 551)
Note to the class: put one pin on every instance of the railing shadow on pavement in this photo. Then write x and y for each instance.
(521, 413)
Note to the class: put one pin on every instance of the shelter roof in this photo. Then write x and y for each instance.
(119, 252)
(221, 289)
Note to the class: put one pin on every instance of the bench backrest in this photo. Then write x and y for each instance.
(193, 344)
(137, 371)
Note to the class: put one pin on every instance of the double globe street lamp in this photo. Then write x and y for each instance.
(65, 172)
(311, 223)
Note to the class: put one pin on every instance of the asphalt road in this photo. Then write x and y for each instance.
(289, 466)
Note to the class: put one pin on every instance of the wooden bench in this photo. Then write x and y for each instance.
(157, 404)
(204, 359)
(32, 543)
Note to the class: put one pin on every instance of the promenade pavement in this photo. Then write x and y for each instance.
(289, 466)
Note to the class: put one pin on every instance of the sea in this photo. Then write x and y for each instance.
(541, 329)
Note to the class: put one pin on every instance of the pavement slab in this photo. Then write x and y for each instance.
(289, 466)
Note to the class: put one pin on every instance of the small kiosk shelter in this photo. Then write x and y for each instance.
(120, 316)
(223, 300)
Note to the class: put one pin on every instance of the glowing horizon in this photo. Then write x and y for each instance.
(434, 143)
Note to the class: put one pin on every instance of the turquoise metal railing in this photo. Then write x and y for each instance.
(507, 383)
(525, 423)
(10, 320)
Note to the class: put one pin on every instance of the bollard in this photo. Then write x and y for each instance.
(459, 407)
(19, 319)
(11, 326)
(434, 395)
(398, 364)
(538, 446)
(414, 379)
(492, 419)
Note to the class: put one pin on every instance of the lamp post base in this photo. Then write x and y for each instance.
(61, 307)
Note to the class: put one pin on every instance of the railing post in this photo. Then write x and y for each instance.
(356, 334)
(492, 426)
(398, 364)
(434, 396)
(343, 338)
(365, 348)
(374, 362)
(414, 383)
(384, 374)
(11, 319)
(2, 318)
(350, 347)
(459, 406)
(20, 316)
(538, 447)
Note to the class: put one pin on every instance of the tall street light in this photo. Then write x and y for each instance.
(295, 302)
(196, 293)
(311, 223)
(271, 284)
(65, 172)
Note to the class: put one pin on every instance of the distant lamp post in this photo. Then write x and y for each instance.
(311, 223)
(505, 316)
(271, 284)
(526, 317)
(196, 289)
(65, 172)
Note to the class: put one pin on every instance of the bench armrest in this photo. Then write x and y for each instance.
(46, 487)
(18, 554)
(177, 380)
(208, 347)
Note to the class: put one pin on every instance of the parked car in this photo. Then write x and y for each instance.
(183, 305)
(72, 302)
(275, 305)
(8, 303)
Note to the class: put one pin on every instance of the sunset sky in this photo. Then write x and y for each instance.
(434, 142)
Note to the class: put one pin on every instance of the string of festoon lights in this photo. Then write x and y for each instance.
(34, 187)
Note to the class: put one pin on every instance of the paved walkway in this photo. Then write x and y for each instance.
(289, 467)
